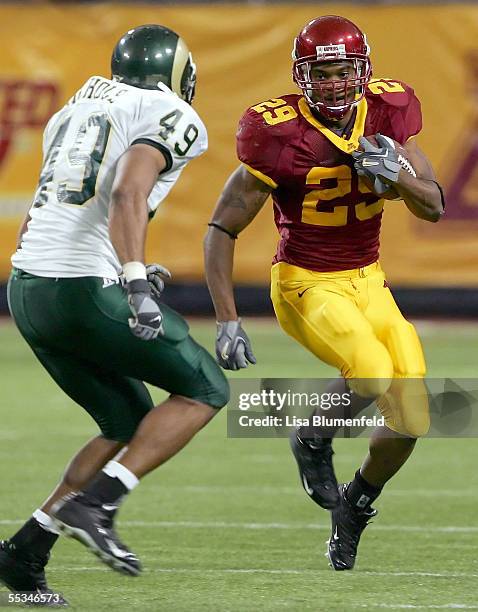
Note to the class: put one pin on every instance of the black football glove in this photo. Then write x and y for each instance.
(378, 163)
(147, 319)
(233, 347)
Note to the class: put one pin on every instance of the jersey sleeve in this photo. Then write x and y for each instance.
(161, 189)
(171, 125)
(404, 112)
(258, 148)
(409, 123)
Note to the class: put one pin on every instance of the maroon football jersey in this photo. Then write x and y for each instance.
(326, 216)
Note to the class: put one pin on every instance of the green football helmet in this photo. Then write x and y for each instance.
(150, 54)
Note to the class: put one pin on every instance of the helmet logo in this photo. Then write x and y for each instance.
(325, 52)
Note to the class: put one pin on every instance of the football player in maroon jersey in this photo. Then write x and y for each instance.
(329, 156)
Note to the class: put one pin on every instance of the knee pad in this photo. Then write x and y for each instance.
(405, 407)
(211, 386)
(369, 387)
(416, 429)
(372, 371)
(221, 394)
(406, 350)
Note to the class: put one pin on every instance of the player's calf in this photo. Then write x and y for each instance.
(388, 451)
(89, 516)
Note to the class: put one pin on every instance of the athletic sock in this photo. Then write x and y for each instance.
(360, 494)
(111, 484)
(45, 521)
(34, 538)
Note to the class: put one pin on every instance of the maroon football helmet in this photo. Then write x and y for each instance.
(331, 39)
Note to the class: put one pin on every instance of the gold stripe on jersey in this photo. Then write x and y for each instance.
(347, 146)
(262, 177)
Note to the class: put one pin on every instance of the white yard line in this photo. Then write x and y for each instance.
(293, 490)
(251, 570)
(269, 526)
(449, 606)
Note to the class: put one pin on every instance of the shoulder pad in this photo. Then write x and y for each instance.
(169, 121)
(389, 91)
(272, 113)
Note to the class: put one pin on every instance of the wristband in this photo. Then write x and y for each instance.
(223, 229)
(134, 270)
(138, 285)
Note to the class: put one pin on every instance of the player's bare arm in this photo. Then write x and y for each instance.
(136, 173)
(406, 169)
(242, 198)
(421, 194)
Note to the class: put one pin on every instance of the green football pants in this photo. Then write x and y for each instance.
(78, 329)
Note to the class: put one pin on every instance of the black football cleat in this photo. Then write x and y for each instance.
(316, 471)
(24, 573)
(347, 527)
(86, 520)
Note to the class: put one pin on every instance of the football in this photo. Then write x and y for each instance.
(391, 193)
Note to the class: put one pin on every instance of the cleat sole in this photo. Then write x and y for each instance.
(84, 538)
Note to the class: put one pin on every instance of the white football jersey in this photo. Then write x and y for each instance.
(68, 235)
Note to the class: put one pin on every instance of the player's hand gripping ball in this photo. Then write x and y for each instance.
(380, 158)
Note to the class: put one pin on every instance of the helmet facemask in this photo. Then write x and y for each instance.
(188, 81)
(335, 97)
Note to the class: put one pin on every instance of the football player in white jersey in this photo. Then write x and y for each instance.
(111, 155)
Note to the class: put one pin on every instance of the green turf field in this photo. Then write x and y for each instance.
(225, 526)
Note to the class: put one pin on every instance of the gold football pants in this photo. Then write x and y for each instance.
(350, 320)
